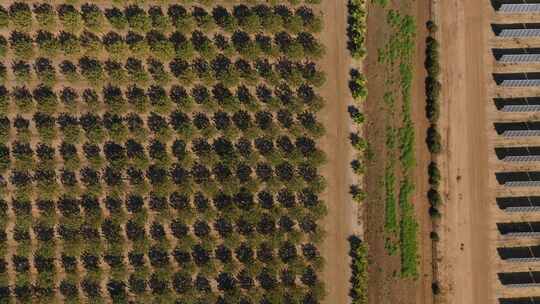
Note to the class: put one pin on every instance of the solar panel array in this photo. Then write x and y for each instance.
(523, 184)
(522, 158)
(520, 108)
(520, 83)
(509, 8)
(520, 8)
(517, 33)
(522, 209)
(511, 58)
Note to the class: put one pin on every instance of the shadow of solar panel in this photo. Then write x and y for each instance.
(531, 300)
(497, 28)
(499, 53)
(505, 177)
(514, 278)
(518, 201)
(506, 253)
(518, 227)
(503, 152)
(535, 251)
(522, 104)
(534, 176)
(501, 127)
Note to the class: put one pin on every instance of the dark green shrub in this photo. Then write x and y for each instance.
(434, 174)
(433, 140)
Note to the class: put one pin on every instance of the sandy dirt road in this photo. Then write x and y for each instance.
(341, 220)
(464, 247)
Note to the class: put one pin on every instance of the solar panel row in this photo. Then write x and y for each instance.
(520, 8)
(523, 184)
(520, 83)
(524, 158)
(520, 108)
(529, 300)
(523, 285)
(522, 234)
(517, 33)
(521, 133)
(510, 58)
(523, 260)
(522, 209)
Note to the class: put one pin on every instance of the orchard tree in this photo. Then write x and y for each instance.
(115, 44)
(223, 18)
(158, 72)
(70, 17)
(137, 18)
(137, 98)
(47, 43)
(115, 71)
(160, 22)
(45, 15)
(20, 15)
(160, 46)
(91, 43)
(180, 18)
(45, 71)
(4, 17)
(116, 18)
(3, 46)
(69, 70)
(92, 16)
(137, 44)
(136, 70)
(21, 43)
(91, 69)
(183, 47)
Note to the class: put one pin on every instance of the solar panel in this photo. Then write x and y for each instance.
(521, 133)
(522, 209)
(516, 58)
(516, 33)
(521, 234)
(520, 108)
(523, 260)
(522, 184)
(522, 158)
(520, 83)
(520, 8)
(522, 285)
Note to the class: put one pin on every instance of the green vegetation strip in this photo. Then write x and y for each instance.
(398, 56)
(408, 223)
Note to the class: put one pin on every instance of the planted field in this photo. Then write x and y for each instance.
(160, 153)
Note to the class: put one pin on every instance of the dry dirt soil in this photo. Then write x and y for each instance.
(385, 284)
(464, 270)
(341, 221)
